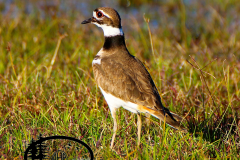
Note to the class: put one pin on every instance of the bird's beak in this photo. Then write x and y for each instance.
(87, 21)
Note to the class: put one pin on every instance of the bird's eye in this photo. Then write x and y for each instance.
(99, 14)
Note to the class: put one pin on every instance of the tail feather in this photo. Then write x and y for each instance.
(173, 120)
(177, 117)
(168, 117)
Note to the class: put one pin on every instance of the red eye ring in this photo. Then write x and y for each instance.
(99, 14)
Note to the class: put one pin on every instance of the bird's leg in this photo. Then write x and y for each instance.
(148, 125)
(113, 112)
(139, 123)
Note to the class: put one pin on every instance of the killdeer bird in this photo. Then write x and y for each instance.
(122, 78)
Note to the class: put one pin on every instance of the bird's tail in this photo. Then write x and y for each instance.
(166, 116)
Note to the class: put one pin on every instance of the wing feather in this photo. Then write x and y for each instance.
(128, 79)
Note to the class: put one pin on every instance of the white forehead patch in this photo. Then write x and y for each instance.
(94, 14)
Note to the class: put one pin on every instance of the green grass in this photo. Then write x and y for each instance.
(47, 85)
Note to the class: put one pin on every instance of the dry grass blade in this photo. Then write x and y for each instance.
(202, 75)
(55, 54)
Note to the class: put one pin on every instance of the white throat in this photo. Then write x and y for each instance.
(110, 31)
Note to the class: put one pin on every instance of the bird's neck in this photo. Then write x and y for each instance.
(114, 42)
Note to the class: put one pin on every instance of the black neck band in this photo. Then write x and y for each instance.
(114, 41)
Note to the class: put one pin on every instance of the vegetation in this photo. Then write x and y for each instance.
(191, 50)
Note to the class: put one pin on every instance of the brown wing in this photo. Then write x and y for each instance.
(126, 78)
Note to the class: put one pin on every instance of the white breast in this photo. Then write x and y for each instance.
(114, 102)
(96, 61)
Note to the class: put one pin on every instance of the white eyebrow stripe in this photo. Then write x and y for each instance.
(95, 14)
(105, 14)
